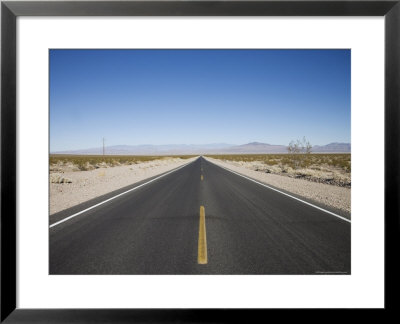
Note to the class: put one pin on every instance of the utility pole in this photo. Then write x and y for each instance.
(103, 146)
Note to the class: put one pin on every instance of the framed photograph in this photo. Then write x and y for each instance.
(197, 160)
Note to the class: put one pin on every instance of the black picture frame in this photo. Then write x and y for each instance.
(10, 10)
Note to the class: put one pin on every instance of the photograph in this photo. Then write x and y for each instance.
(199, 161)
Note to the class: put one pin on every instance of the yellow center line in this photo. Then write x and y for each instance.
(202, 252)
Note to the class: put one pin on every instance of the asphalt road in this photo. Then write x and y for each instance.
(245, 228)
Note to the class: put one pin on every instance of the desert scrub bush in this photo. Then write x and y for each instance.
(90, 162)
(56, 178)
(298, 152)
(341, 161)
(270, 162)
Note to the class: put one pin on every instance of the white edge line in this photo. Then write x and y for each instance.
(112, 198)
(284, 193)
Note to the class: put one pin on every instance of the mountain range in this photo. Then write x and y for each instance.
(215, 148)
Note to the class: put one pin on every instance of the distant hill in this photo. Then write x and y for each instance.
(333, 148)
(215, 148)
(148, 149)
(263, 148)
(256, 147)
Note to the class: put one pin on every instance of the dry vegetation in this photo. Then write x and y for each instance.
(61, 163)
(332, 169)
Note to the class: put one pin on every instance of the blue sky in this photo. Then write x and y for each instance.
(135, 97)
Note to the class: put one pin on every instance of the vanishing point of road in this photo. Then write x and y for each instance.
(198, 219)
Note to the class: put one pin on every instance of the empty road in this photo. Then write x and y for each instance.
(199, 219)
